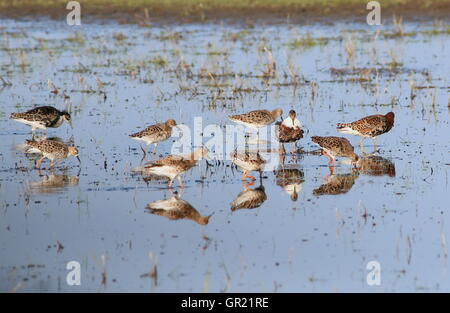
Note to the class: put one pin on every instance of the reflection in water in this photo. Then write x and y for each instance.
(249, 198)
(376, 166)
(248, 162)
(53, 183)
(176, 208)
(335, 184)
(291, 180)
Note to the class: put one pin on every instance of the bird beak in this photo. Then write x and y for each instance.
(78, 158)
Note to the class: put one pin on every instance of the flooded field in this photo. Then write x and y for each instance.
(311, 230)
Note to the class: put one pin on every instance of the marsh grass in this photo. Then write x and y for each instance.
(143, 12)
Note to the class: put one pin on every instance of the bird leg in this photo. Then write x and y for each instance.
(293, 148)
(247, 185)
(331, 159)
(145, 152)
(245, 175)
(154, 149)
(281, 149)
(360, 143)
(38, 163)
(374, 144)
(52, 163)
(331, 167)
(181, 183)
(170, 184)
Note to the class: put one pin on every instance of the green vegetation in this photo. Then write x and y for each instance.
(142, 11)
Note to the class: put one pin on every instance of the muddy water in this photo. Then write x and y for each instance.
(393, 211)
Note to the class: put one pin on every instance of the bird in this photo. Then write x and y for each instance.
(155, 134)
(256, 119)
(42, 118)
(176, 208)
(289, 131)
(291, 180)
(249, 198)
(52, 150)
(248, 161)
(173, 166)
(370, 126)
(336, 147)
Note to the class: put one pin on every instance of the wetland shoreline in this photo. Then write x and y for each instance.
(150, 12)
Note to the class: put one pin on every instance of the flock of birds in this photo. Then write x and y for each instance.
(288, 130)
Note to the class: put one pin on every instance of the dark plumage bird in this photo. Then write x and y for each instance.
(289, 131)
(368, 127)
(42, 118)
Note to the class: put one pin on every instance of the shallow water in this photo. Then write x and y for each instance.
(94, 213)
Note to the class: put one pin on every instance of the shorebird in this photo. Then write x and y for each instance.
(42, 118)
(173, 166)
(291, 180)
(290, 130)
(249, 198)
(248, 161)
(336, 147)
(369, 126)
(256, 119)
(155, 133)
(52, 150)
(176, 208)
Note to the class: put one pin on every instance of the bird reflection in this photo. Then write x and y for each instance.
(335, 184)
(52, 183)
(176, 208)
(249, 198)
(376, 166)
(291, 180)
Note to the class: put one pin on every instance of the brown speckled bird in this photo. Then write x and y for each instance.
(155, 133)
(52, 150)
(289, 131)
(334, 147)
(42, 118)
(248, 161)
(257, 119)
(369, 126)
(176, 209)
(249, 198)
(173, 166)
